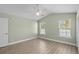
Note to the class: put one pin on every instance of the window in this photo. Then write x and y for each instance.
(65, 28)
(65, 33)
(42, 28)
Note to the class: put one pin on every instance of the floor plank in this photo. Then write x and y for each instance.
(39, 46)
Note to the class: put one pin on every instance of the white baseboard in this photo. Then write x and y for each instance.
(20, 41)
(38, 37)
(58, 41)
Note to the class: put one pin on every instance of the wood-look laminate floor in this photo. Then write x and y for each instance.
(39, 46)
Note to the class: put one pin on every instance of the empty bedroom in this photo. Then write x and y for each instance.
(39, 28)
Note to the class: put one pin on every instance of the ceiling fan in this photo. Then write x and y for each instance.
(38, 11)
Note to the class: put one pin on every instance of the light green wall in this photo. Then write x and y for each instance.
(51, 26)
(19, 28)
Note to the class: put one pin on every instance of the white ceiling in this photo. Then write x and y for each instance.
(62, 8)
(29, 10)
